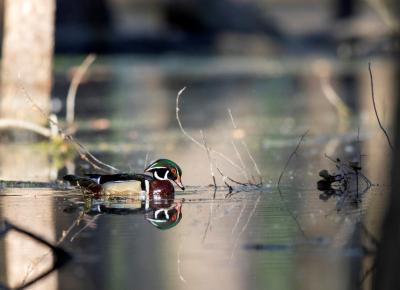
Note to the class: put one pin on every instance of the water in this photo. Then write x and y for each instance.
(259, 237)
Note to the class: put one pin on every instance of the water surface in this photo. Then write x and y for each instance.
(259, 237)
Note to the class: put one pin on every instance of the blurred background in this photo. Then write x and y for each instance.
(108, 71)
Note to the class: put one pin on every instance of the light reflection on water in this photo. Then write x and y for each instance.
(255, 239)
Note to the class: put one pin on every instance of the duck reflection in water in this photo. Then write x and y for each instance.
(163, 213)
(124, 193)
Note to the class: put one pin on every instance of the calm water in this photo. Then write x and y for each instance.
(259, 237)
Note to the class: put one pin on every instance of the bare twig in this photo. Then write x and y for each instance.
(279, 183)
(243, 229)
(187, 135)
(178, 261)
(225, 177)
(83, 152)
(208, 226)
(76, 80)
(60, 256)
(34, 264)
(244, 144)
(375, 110)
(210, 162)
(239, 156)
(290, 158)
(239, 217)
(88, 224)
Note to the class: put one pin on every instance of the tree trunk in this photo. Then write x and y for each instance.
(27, 58)
(388, 255)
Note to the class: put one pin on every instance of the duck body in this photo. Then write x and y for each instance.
(123, 184)
(156, 188)
(154, 193)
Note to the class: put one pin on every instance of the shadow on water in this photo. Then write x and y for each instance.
(60, 256)
(250, 238)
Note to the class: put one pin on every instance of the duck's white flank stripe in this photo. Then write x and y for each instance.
(147, 184)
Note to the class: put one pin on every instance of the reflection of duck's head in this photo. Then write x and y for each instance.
(165, 218)
(164, 169)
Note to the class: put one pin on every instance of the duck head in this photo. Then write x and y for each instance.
(164, 169)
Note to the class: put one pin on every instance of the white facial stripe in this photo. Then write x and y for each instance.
(159, 177)
(165, 211)
(156, 175)
(154, 167)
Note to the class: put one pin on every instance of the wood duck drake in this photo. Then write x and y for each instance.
(155, 187)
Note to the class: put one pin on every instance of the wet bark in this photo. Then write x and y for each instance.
(27, 58)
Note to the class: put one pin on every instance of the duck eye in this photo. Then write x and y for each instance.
(173, 170)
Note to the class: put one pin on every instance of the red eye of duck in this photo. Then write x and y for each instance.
(173, 170)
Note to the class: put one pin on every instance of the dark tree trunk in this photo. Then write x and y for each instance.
(388, 255)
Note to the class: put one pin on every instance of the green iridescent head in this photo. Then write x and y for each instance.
(165, 169)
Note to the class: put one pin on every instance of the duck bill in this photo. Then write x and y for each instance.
(179, 183)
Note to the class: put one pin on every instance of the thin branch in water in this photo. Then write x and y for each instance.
(32, 266)
(61, 257)
(208, 226)
(88, 224)
(209, 162)
(290, 158)
(223, 156)
(215, 187)
(224, 178)
(76, 80)
(231, 179)
(178, 262)
(279, 183)
(83, 152)
(243, 229)
(241, 162)
(375, 110)
(239, 216)
(244, 144)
